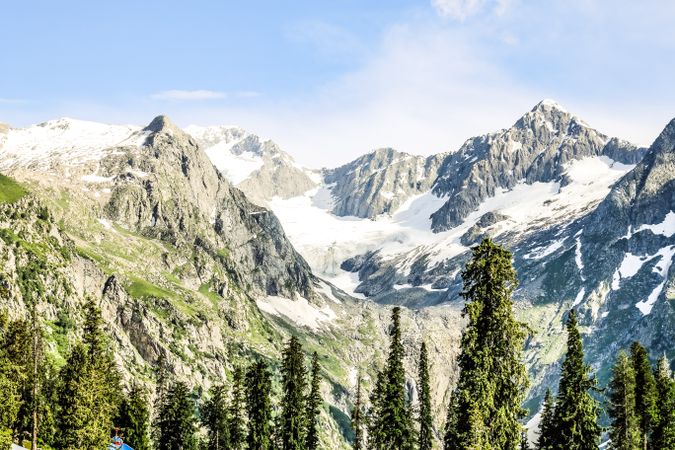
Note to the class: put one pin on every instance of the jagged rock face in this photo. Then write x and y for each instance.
(380, 182)
(536, 148)
(181, 198)
(259, 168)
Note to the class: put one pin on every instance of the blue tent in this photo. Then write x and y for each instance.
(118, 444)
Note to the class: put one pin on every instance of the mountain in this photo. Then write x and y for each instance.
(380, 182)
(259, 167)
(184, 266)
(156, 222)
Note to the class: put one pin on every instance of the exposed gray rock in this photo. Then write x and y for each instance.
(536, 148)
(185, 201)
(380, 182)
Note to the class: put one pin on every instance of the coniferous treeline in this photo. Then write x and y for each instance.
(76, 404)
(82, 403)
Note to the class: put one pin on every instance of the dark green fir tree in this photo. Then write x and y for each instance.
(215, 419)
(134, 418)
(237, 411)
(663, 436)
(492, 379)
(624, 432)
(294, 383)
(547, 426)
(450, 437)
(425, 439)
(259, 407)
(645, 393)
(393, 424)
(313, 405)
(89, 392)
(576, 411)
(176, 425)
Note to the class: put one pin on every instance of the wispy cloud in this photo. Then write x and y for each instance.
(463, 9)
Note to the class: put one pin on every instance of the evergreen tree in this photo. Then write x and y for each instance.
(89, 389)
(425, 438)
(663, 437)
(258, 407)
(576, 411)
(376, 426)
(450, 437)
(624, 432)
(215, 419)
(134, 418)
(645, 392)
(393, 420)
(175, 424)
(294, 383)
(492, 380)
(313, 405)
(10, 385)
(237, 411)
(357, 419)
(547, 425)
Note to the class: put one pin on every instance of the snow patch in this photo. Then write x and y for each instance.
(300, 311)
(661, 268)
(665, 228)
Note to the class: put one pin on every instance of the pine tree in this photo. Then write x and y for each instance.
(576, 411)
(425, 438)
(357, 419)
(294, 383)
(492, 380)
(547, 425)
(215, 419)
(89, 393)
(376, 426)
(645, 392)
(450, 437)
(258, 407)
(393, 420)
(663, 437)
(624, 432)
(237, 411)
(10, 385)
(175, 424)
(313, 405)
(134, 418)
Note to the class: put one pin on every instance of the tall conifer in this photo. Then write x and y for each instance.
(425, 439)
(258, 407)
(393, 424)
(663, 437)
(547, 425)
(624, 432)
(176, 422)
(492, 380)
(215, 419)
(134, 418)
(237, 411)
(313, 405)
(576, 411)
(645, 392)
(294, 383)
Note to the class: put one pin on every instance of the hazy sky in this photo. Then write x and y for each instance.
(332, 79)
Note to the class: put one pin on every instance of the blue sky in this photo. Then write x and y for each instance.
(330, 80)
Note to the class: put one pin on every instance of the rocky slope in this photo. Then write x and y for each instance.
(259, 167)
(380, 182)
